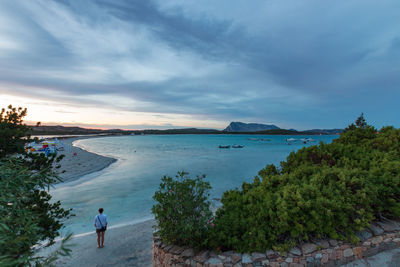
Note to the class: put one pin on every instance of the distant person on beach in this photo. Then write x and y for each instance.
(100, 222)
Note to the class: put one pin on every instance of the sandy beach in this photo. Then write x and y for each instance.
(78, 162)
(128, 245)
(124, 246)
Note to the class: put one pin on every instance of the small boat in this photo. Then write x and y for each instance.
(265, 139)
(221, 146)
(291, 140)
(306, 140)
(253, 139)
(238, 146)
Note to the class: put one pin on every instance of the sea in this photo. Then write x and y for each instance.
(125, 189)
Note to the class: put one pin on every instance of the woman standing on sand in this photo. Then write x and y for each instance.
(100, 222)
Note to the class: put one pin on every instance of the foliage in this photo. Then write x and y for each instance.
(328, 190)
(182, 210)
(27, 215)
(14, 134)
(12, 130)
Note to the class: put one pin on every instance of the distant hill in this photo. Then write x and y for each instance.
(233, 128)
(326, 131)
(293, 132)
(64, 130)
(249, 127)
(178, 131)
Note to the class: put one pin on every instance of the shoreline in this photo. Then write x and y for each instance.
(128, 245)
(78, 162)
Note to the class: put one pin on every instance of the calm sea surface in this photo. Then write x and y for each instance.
(125, 189)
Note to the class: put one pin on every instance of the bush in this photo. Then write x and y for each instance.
(330, 190)
(27, 214)
(12, 130)
(182, 210)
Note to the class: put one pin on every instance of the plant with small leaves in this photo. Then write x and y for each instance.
(182, 210)
(323, 191)
(28, 217)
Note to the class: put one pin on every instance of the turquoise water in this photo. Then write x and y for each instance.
(125, 189)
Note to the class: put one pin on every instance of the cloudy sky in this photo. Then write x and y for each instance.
(201, 63)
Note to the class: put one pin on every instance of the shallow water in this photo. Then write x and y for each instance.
(125, 189)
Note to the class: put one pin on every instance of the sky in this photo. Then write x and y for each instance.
(137, 64)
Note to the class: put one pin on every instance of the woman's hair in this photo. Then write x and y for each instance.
(101, 210)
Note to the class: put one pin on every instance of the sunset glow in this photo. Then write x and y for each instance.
(168, 64)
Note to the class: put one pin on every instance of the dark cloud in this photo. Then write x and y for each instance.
(306, 64)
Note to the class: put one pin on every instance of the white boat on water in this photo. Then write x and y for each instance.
(238, 146)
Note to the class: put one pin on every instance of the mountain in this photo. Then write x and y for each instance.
(233, 128)
(64, 130)
(249, 127)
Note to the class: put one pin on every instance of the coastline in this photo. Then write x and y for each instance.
(78, 162)
(125, 245)
(129, 245)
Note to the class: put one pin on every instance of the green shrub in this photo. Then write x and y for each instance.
(182, 210)
(27, 214)
(329, 190)
(12, 130)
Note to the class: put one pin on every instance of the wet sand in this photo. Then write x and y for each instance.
(124, 246)
(78, 162)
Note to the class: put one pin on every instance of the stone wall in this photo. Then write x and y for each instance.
(379, 237)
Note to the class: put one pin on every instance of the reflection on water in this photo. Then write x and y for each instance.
(125, 189)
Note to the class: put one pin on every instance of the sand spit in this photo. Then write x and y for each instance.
(128, 245)
(78, 162)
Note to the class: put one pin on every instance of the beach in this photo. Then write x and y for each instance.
(78, 162)
(128, 245)
(125, 188)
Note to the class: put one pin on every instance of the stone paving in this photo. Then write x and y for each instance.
(390, 258)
